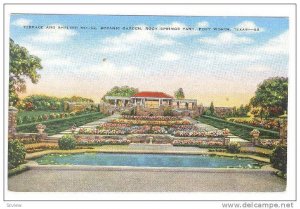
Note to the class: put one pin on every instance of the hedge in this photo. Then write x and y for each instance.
(56, 126)
(238, 129)
(17, 170)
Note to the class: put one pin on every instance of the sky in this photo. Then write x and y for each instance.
(211, 58)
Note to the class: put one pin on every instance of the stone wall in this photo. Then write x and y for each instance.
(12, 121)
(29, 137)
(144, 111)
(76, 106)
(283, 131)
(140, 138)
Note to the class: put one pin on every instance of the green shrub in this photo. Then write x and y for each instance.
(40, 118)
(34, 118)
(58, 125)
(278, 158)
(16, 153)
(168, 111)
(26, 119)
(234, 147)
(17, 170)
(19, 120)
(67, 142)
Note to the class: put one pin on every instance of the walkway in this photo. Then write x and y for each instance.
(207, 127)
(144, 180)
(88, 125)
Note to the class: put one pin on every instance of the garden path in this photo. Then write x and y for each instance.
(88, 125)
(207, 127)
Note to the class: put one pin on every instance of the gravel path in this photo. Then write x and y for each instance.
(48, 180)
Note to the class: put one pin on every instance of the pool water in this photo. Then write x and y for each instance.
(147, 160)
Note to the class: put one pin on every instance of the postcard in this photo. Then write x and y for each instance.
(164, 104)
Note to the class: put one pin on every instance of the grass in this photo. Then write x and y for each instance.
(17, 170)
(56, 126)
(36, 113)
(242, 118)
(237, 129)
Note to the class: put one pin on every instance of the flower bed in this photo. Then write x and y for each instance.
(269, 143)
(272, 124)
(152, 122)
(30, 148)
(101, 141)
(200, 143)
(123, 130)
(151, 118)
(29, 139)
(193, 133)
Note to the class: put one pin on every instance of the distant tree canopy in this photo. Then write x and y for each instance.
(77, 99)
(123, 91)
(271, 96)
(179, 94)
(22, 65)
(241, 111)
(43, 102)
(212, 108)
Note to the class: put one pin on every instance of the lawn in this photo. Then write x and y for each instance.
(36, 113)
(56, 126)
(240, 130)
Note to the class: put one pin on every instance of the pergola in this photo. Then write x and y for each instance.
(117, 99)
(152, 100)
(187, 102)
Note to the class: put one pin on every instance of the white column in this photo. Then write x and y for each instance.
(115, 103)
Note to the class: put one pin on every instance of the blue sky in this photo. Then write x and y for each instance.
(220, 66)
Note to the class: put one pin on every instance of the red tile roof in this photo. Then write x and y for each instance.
(152, 94)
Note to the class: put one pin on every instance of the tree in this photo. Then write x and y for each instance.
(272, 96)
(179, 94)
(22, 65)
(278, 158)
(212, 108)
(16, 153)
(123, 91)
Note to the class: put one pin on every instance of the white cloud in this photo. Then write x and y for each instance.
(249, 25)
(226, 56)
(128, 41)
(49, 57)
(226, 38)
(277, 45)
(109, 68)
(258, 68)
(170, 56)
(203, 24)
(57, 61)
(56, 35)
(21, 22)
(175, 29)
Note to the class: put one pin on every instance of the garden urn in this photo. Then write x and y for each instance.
(73, 129)
(255, 133)
(226, 132)
(40, 127)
